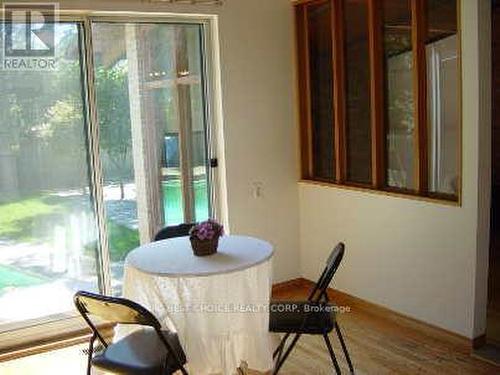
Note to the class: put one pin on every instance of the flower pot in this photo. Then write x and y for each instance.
(204, 247)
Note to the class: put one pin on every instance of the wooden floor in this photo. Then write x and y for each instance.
(380, 342)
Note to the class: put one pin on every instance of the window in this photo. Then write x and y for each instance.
(399, 94)
(96, 155)
(321, 79)
(380, 94)
(357, 92)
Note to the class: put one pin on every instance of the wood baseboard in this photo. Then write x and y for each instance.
(341, 298)
(289, 284)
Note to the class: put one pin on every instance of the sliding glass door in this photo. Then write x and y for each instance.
(48, 237)
(96, 156)
(150, 106)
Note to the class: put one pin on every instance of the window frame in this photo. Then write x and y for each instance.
(377, 101)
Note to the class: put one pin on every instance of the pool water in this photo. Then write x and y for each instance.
(173, 202)
(12, 277)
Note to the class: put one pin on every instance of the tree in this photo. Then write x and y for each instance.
(115, 138)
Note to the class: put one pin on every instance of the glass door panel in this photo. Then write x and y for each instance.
(48, 235)
(189, 44)
(115, 148)
(153, 134)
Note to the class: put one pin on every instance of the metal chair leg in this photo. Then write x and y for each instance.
(279, 349)
(280, 352)
(332, 354)
(285, 356)
(344, 347)
(90, 353)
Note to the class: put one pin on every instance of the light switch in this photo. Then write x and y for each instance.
(257, 190)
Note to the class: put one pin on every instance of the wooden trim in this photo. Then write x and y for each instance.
(34, 348)
(385, 192)
(21, 342)
(304, 2)
(304, 90)
(460, 103)
(339, 102)
(288, 284)
(419, 32)
(376, 55)
(356, 303)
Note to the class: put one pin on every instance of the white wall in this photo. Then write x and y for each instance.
(481, 79)
(256, 47)
(260, 124)
(425, 260)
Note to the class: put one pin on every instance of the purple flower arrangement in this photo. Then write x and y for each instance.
(207, 230)
(205, 237)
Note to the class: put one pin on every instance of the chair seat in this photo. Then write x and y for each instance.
(301, 317)
(140, 353)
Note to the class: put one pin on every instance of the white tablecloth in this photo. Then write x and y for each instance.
(218, 305)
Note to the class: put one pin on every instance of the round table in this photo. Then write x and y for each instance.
(217, 304)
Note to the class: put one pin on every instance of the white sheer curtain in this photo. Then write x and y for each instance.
(144, 138)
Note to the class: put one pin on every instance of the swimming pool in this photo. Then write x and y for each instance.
(173, 202)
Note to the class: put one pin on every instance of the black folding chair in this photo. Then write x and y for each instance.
(314, 316)
(174, 231)
(149, 351)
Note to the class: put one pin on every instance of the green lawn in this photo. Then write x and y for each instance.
(17, 219)
(121, 240)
